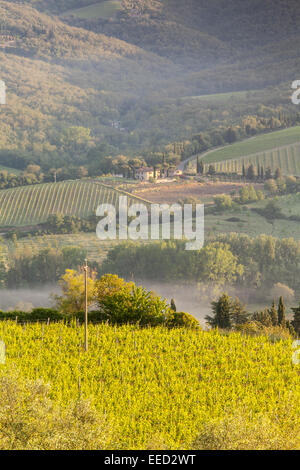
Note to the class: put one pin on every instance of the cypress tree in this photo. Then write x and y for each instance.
(244, 171)
(222, 313)
(238, 312)
(281, 312)
(274, 314)
(263, 317)
(296, 320)
(251, 172)
(200, 166)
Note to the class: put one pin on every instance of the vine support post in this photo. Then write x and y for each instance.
(86, 306)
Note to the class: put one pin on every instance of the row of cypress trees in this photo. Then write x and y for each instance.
(229, 313)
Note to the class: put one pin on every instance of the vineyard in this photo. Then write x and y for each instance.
(160, 387)
(255, 145)
(30, 205)
(286, 158)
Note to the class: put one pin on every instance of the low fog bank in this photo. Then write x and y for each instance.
(189, 297)
(26, 299)
(186, 297)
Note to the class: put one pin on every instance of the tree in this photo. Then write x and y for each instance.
(211, 170)
(200, 166)
(82, 172)
(268, 174)
(296, 320)
(251, 172)
(123, 302)
(222, 313)
(35, 169)
(72, 284)
(218, 264)
(231, 135)
(272, 211)
(281, 312)
(75, 139)
(223, 202)
(239, 314)
(181, 320)
(244, 171)
(263, 317)
(274, 314)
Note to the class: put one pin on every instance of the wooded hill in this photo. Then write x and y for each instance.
(127, 80)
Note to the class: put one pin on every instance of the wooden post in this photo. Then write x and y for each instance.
(86, 307)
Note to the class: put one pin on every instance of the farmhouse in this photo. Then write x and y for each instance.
(144, 173)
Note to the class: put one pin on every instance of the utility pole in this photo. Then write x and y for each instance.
(86, 306)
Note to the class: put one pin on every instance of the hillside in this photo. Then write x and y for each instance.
(126, 80)
(239, 25)
(255, 145)
(286, 158)
(31, 205)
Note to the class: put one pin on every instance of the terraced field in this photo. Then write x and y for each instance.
(286, 158)
(31, 205)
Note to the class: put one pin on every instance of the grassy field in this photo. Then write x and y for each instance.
(241, 220)
(106, 9)
(96, 249)
(31, 205)
(249, 222)
(12, 171)
(220, 97)
(160, 388)
(256, 145)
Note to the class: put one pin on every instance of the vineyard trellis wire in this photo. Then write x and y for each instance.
(29, 205)
(286, 158)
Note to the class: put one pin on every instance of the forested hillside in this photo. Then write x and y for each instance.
(130, 82)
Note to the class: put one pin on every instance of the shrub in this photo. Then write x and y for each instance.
(181, 319)
(241, 432)
(30, 420)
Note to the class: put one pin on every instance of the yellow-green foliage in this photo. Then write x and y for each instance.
(29, 419)
(242, 432)
(165, 388)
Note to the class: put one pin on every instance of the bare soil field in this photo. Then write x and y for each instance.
(173, 192)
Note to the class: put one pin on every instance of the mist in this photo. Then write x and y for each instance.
(27, 298)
